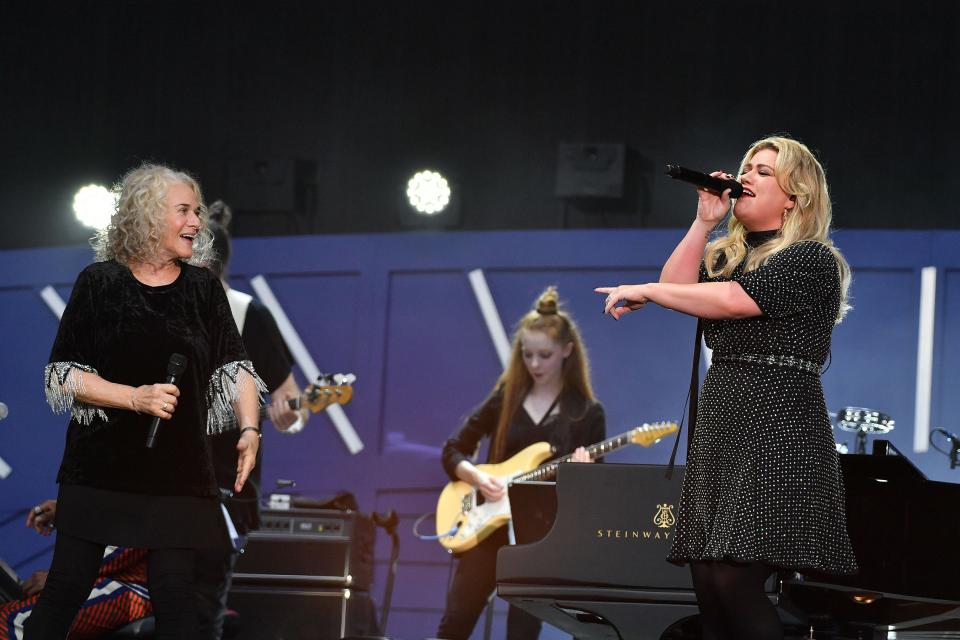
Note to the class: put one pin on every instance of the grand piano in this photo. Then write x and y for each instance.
(590, 552)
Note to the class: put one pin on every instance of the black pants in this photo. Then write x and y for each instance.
(213, 575)
(74, 570)
(473, 582)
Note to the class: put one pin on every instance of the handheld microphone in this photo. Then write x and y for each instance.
(4, 412)
(708, 182)
(175, 367)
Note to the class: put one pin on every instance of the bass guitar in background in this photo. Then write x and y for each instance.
(327, 390)
(465, 518)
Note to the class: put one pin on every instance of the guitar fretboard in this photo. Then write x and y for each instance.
(598, 450)
(293, 403)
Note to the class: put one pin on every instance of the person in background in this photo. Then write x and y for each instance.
(119, 595)
(271, 358)
(544, 395)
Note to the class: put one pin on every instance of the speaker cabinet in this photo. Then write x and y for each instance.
(301, 613)
(590, 170)
(314, 548)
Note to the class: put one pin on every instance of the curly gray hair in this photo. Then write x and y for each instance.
(136, 227)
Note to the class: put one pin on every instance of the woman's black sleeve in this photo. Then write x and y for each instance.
(464, 443)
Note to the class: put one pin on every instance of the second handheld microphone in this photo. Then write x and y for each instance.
(175, 367)
(708, 182)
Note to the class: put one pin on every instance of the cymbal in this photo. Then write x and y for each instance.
(863, 420)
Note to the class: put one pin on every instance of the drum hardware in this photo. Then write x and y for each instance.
(863, 422)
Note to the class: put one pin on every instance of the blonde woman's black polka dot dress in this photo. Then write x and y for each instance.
(762, 479)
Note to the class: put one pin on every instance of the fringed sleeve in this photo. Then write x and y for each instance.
(62, 382)
(225, 387)
(74, 351)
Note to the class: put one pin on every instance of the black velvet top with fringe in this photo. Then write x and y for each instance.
(125, 332)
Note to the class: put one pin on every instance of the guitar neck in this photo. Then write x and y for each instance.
(293, 403)
(598, 450)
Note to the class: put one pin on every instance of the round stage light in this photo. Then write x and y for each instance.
(428, 192)
(93, 205)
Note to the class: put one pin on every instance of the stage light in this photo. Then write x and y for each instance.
(428, 192)
(93, 205)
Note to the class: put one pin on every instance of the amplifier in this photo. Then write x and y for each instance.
(309, 547)
(302, 613)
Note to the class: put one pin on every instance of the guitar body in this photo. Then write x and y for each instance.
(458, 501)
(458, 510)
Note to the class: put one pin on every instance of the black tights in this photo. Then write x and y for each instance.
(733, 605)
(73, 573)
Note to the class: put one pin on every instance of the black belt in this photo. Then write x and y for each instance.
(791, 362)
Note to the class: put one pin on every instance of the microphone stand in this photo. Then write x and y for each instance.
(388, 522)
(954, 446)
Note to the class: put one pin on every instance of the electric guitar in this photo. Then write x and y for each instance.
(328, 390)
(465, 518)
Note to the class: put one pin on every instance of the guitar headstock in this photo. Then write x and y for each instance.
(328, 390)
(648, 434)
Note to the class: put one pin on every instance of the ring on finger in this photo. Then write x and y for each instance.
(164, 407)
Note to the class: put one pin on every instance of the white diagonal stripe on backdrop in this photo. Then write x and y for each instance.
(303, 358)
(490, 315)
(53, 300)
(928, 307)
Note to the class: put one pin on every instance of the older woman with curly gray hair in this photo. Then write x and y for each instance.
(143, 300)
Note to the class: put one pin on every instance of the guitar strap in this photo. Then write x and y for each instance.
(549, 410)
(239, 303)
(692, 398)
(511, 537)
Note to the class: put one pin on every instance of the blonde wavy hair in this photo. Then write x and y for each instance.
(515, 382)
(802, 178)
(136, 227)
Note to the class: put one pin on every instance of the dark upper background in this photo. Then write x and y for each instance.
(361, 94)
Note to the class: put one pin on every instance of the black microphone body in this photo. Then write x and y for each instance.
(708, 182)
(175, 367)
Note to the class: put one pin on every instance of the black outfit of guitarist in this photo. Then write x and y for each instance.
(578, 423)
(214, 568)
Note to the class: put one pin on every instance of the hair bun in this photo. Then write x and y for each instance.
(549, 301)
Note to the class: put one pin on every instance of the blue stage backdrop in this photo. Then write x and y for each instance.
(399, 311)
